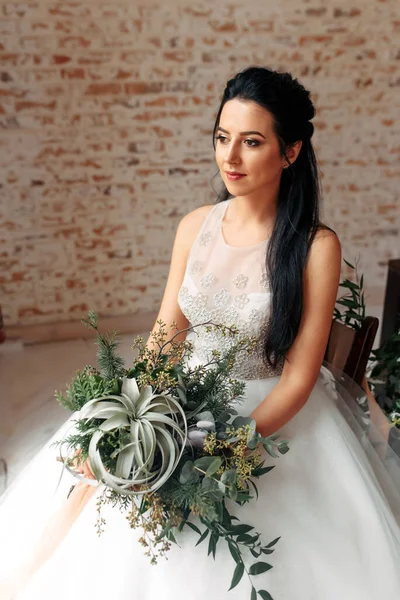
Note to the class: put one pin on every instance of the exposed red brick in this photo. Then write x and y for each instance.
(102, 178)
(81, 308)
(66, 10)
(363, 83)
(77, 73)
(354, 40)
(59, 59)
(385, 208)
(121, 74)
(307, 40)
(315, 12)
(359, 162)
(164, 101)
(162, 132)
(98, 89)
(74, 41)
(229, 27)
(198, 12)
(179, 56)
(209, 41)
(261, 26)
(142, 87)
(120, 151)
(349, 12)
(24, 105)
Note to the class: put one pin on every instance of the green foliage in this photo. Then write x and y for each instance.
(353, 302)
(123, 418)
(88, 384)
(110, 363)
(385, 375)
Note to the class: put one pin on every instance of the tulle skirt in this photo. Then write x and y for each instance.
(331, 499)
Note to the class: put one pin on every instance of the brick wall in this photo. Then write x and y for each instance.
(106, 114)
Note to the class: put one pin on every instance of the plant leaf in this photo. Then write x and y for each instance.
(237, 575)
(259, 567)
(193, 526)
(235, 552)
(240, 529)
(349, 264)
(273, 542)
(265, 595)
(203, 536)
(213, 468)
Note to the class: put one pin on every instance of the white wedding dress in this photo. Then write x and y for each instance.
(340, 537)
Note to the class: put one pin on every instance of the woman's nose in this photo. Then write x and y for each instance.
(232, 153)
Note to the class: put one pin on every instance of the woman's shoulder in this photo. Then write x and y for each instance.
(325, 249)
(326, 237)
(191, 224)
(196, 218)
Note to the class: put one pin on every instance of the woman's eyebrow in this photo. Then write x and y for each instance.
(244, 132)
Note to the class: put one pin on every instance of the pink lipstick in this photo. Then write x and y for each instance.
(234, 175)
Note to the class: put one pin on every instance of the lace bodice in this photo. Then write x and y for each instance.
(227, 285)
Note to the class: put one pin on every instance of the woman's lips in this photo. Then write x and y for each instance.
(234, 176)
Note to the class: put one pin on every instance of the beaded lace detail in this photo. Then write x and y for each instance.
(227, 285)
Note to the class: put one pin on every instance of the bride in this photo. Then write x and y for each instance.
(262, 260)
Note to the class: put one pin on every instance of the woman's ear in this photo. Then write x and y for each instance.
(292, 151)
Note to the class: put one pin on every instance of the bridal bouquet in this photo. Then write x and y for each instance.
(166, 442)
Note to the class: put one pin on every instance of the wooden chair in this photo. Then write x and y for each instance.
(349, 350)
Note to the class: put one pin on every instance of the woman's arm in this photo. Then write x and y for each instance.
(304, 359)
(186, 234)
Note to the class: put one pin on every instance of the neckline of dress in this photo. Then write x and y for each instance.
(221, 233)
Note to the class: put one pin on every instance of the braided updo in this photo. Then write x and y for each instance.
(297, 217)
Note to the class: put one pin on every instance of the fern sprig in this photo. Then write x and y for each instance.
(110, 363)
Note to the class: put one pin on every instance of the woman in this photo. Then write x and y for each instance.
(261, 260)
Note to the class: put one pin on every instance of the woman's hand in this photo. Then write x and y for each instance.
(82, 466)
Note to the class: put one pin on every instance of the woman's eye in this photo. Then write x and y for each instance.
(253, 143)
(248, 142)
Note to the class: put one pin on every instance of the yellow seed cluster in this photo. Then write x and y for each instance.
(152, 524)
(236, 454)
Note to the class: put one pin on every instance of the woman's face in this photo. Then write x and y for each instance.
(247, 144)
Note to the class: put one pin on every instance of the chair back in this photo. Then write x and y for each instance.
(349, 350)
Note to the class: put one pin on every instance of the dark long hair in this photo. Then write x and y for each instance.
(297, 217)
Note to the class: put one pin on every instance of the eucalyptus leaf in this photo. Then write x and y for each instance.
(204, 462)
(233, 493)
(188, 473)
(222, 487)
(214, 466)
(243, 421)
